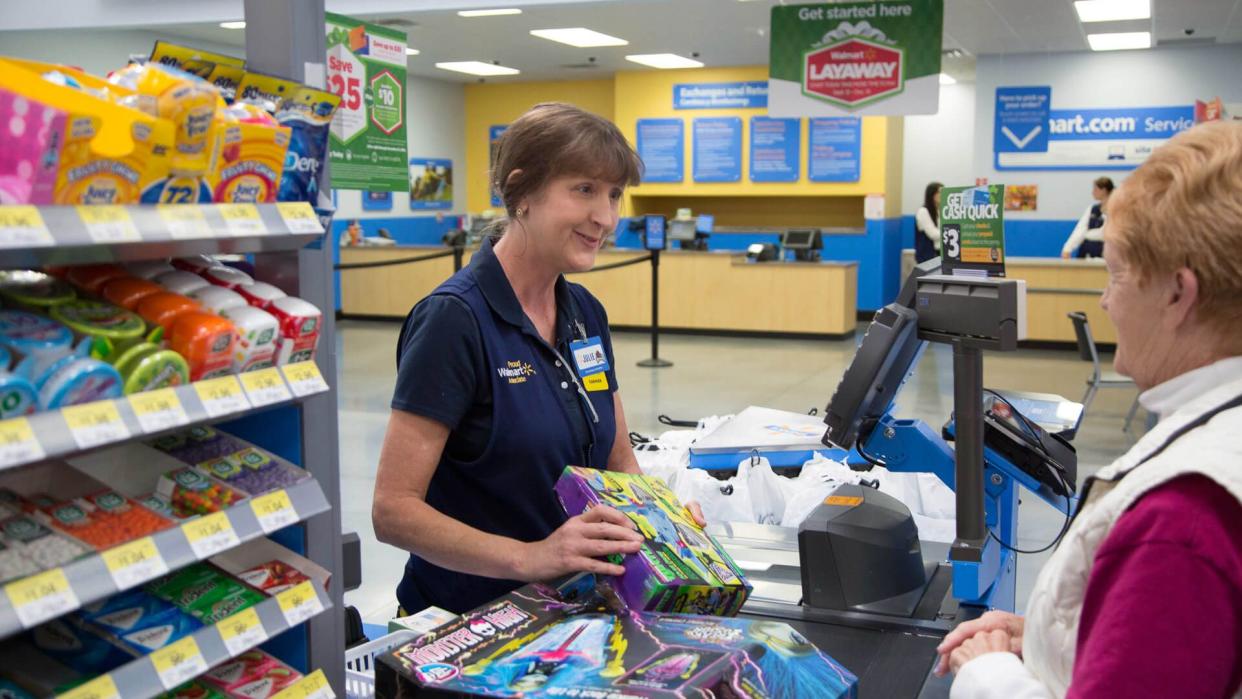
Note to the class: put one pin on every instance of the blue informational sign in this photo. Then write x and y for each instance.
(376, 201)
(1021, 124)
(431, 184)
(706, 223)
(739, 95)
(835, 149)
(653, 232)
(493, 139)
(1099, 139)
(662, 148)
(718, 149)
(775, 149)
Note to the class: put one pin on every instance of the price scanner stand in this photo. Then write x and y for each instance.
(854, 578)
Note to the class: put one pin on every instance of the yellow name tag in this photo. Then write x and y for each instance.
(596, 382)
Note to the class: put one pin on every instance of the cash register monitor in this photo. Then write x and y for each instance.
(801, 239)
(683, 229)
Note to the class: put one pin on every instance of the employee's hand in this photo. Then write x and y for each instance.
(696, 512)
(1065, 256)
(1011, 624)
(578, 545)
(996, 641)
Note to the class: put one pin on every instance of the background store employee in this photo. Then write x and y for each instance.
(1088, 236)
(492, 401)
(927, 224)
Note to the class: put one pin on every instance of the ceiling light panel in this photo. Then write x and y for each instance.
(234, 25)
(664, 61)
(411, 52)
(1112, 10)
(1119, 41)
(477, 68)
(490, 13)
(580, 37)
(946, 79)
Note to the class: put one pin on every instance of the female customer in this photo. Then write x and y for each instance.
(1143, 597)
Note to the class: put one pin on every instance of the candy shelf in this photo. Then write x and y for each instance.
(34, 236)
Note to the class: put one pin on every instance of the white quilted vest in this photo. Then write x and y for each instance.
(1213, 450)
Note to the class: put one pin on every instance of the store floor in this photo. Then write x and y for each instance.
(712, 376)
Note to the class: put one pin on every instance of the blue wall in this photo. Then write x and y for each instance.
(1023, 237)
(406, 230)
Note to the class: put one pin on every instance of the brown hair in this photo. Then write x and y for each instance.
(1181, 208)
(553, 139)
(1104, 183)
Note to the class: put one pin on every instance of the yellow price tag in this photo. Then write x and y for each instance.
(299, 217)
(264, 387)
(92, 424)
(210, 534)
(102, 687)
(304, 378)
(178, 661)
(23, 227)
(242, 219)
(134, 563)
(274, 511)
(184, 221)
(158, 410)
(41, 597)
(221, 396)
(242, 631)
(299, 603)
(108, 224)
(18, 444)
(313, 686)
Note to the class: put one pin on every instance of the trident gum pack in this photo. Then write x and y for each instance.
(680, 568)
(541, 641)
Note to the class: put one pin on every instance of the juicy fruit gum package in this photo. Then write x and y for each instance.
(250, 158)
(679, 568)
(104, 153)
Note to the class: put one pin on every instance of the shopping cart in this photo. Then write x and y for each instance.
(360, 663)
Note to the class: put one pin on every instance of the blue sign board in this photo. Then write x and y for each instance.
(835, 149)
(1021, 124)
(1119, 138)
(1123, 123)
(431, 184)
(493, 140)
(738, 95)
(376, 201)
(718, 149)
(662, 148)
(653, 232)
(775, 149)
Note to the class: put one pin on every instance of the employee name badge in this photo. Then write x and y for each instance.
(592, 363)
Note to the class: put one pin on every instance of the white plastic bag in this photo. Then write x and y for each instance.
(767, 502)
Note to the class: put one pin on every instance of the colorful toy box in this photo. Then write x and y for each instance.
(535, 642)
(680, 568)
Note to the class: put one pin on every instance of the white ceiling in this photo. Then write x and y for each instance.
(722, 32)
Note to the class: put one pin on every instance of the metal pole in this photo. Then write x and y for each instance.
(654, 362)
(459, 252)
(968, 415)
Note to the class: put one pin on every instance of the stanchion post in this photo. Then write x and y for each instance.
(459, 252)
(654, 361)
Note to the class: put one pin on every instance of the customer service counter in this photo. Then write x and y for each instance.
(1057, 287)
(701, 291)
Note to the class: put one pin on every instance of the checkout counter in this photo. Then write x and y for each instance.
(699, 290)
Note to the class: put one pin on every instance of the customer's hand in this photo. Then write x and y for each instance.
(578, 545)
(1011, 624)
(696, 512)
(996, 641)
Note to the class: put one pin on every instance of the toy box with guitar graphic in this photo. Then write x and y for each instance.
(534, 641)
(680, 568)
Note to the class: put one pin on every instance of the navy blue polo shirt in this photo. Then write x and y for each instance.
(516, 409)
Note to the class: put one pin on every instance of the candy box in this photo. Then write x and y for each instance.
(39, 544)
(273, 577)
(264, 562)
(245, 668)
(238, 599)
(194, 689)
(300, 323)
(269, 683)
(77, 647)
(680, 568)
(142, 622)
(252, 471)
(535, 641)
(13, 564)
(32, 149)
(104, 519)
(189, 491)
(196, 578)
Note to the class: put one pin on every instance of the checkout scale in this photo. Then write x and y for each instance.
(854, 578)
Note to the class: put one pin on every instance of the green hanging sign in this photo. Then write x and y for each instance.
(366, 67)
(972, 229)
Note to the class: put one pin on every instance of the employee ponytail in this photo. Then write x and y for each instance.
(929, 201)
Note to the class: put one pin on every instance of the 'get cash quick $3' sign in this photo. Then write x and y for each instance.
(972, 229)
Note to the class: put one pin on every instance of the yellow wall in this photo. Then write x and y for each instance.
(490, 105)
(648, 94)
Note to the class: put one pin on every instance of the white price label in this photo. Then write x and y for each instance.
(184, 221)
(23, 227)
(18, 444)
(299, 603)
(242, 219)
(264, 387)
(274, 511)
(41, 597)
(221, 396)
(108, 224)
(95, 423)
(134, 563)
(178, 661)
(157, 410)
(210, 534)
(304, 378)
(242, 631)
(299, 217)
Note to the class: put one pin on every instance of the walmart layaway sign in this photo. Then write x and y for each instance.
(855, 58)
